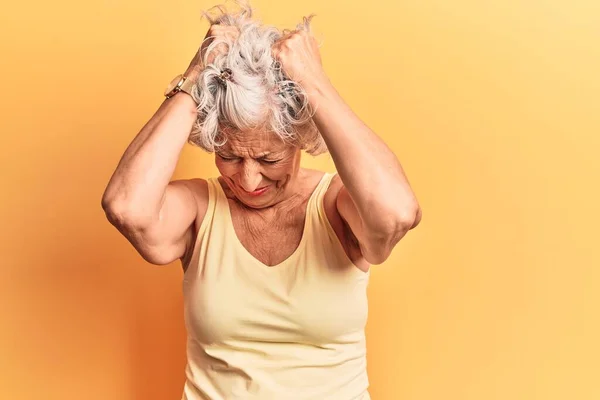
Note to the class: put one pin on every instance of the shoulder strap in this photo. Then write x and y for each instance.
(323, 186)
(210, 210)
(319, 194)
(192, 260)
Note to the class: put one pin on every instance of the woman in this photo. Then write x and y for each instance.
(276, 257)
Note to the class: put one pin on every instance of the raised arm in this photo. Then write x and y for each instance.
(155, 214)
(374, 197)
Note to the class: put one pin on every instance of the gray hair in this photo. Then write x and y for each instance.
(258, 95)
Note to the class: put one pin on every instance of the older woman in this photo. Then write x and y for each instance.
(276, 257)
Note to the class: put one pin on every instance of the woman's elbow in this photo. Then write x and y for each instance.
(382, 241)
(417, 219)
(398, 223)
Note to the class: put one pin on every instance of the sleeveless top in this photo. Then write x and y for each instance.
(290, 331)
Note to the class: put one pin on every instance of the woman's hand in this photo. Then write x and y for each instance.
(298, 53)
(215, 31)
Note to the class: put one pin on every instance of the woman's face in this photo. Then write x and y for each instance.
(259, 168)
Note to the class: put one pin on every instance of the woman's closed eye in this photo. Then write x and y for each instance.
(263, 160)
(228, 158)
(270, 161)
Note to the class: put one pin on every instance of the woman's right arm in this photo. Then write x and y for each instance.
(157, 216)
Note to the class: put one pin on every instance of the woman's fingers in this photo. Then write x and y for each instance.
(219, 31)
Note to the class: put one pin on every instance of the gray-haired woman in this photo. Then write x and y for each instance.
(276, 257)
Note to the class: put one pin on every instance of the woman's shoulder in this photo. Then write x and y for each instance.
(335, 184)
(199, 189)
(312, 177)
(340, 227)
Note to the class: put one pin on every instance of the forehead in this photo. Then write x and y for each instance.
(254, 143)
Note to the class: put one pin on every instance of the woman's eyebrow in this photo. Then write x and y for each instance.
(264, 154)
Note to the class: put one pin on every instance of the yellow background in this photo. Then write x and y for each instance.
(492, 107)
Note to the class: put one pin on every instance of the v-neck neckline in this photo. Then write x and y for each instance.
(289, 260)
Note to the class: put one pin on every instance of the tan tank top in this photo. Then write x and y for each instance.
(290, 331)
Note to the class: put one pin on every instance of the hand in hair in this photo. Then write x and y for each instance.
(298, 53)
(218, 34)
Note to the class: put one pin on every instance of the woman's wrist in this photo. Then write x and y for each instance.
(182, 99)
(193, 72)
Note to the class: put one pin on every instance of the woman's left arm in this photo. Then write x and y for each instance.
(376, 200)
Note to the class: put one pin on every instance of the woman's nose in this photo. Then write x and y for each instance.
(250, 177)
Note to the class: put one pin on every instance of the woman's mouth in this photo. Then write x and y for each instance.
(256, 192)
